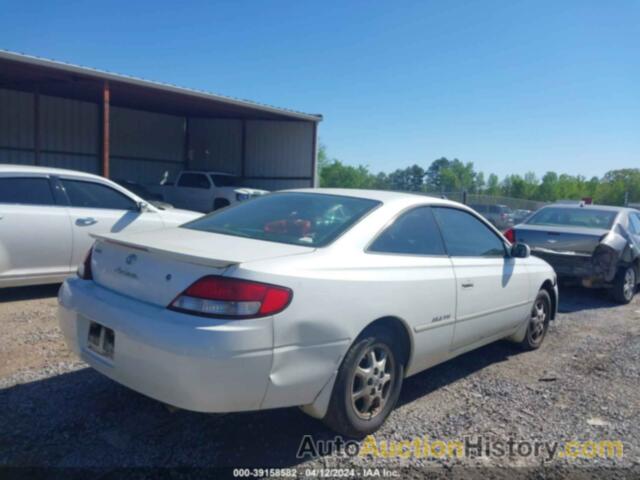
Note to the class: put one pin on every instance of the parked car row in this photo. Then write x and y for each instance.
(319, 298)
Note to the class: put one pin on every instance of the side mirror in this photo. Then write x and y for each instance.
(520, 250)
(143, 206)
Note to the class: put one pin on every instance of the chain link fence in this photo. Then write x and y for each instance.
(503, 212)
(482, 199)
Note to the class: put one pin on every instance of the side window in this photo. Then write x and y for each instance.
(95, 195)
(634, 223)
(466, 236)
(415, 232)
(26, 191)
(193, 180)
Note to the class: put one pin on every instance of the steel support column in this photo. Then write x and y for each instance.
(36, 125)
(106, 100)
(315, 181)
(243, 149)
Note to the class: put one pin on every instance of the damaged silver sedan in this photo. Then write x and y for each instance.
(598, 246)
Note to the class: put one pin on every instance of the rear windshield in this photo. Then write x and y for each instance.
(573, 217)
(310, 219)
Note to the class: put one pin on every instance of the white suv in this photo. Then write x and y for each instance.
(205, 191)
(48, 214)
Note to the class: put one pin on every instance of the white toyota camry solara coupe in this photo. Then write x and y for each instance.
(324, 299)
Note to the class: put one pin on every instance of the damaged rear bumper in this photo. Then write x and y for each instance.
(596, 270)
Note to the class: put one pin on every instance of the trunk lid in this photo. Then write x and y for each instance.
(155, 267)
(562, 240)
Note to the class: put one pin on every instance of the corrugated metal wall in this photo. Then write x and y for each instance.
(69, 134)
(68, 131)
(139, 134)
(145, 144)
(215, 144)
(16, 127)
(277, 154)
(278, 149)
(273, 151)
(68, 125)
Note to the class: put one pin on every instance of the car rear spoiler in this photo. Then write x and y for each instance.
(180, 256)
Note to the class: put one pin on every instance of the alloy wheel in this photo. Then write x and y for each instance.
(372, 381)
(629, 285)
(538, 321)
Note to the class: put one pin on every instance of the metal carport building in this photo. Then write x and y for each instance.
(67, 116)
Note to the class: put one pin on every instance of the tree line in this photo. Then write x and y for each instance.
(444, 175)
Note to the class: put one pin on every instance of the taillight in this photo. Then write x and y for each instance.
(232, 298)
(510, 235)
(84, 269)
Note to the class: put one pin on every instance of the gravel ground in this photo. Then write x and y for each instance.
(583, 384)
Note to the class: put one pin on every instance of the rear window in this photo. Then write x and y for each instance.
(573, 217)
(309, 219)
(26, 191)
(193, 180)
(224, 180)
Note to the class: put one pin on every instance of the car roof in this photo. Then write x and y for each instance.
(10, 168)
(577, 206)
(384, 196)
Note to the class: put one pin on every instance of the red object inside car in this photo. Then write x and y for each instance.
(296, 227)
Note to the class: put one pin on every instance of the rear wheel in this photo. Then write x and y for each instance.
(538, 321)
(367, 387)
(624, 285)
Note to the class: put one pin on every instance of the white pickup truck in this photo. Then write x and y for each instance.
(204, 191)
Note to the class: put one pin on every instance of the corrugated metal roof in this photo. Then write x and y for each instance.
(116, 77)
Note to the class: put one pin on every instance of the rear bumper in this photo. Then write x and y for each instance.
(570, 266)
(190, 362)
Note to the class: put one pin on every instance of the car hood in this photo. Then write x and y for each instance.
(173, 217)
(250, 191)
(242, 190)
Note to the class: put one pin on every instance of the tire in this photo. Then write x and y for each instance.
(219, 203)
(624, 285)
(538, 321)
(357, 372)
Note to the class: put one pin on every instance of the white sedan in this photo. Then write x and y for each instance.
(324, 299)
(47, 216)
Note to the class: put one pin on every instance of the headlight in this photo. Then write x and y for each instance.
(242, 196)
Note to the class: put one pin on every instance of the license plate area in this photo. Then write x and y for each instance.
(102, 340)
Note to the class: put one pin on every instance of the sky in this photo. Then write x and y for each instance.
(512, 86)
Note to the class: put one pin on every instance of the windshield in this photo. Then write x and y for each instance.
(224, 180)
(310, 219)
(573, 217)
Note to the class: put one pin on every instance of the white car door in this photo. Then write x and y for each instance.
(96, 208)
(35, 231)
(411, 257)
(492, 287)
(195, 191)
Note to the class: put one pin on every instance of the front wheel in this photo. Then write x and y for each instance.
(538, 321)
(367, 387)
(624, 285)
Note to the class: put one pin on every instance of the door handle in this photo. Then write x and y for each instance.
(86, 221)
(467, 285)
